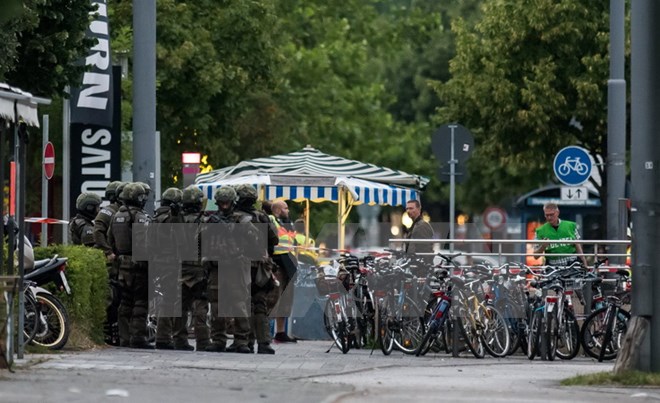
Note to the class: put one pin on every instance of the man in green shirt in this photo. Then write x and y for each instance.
(556, 229)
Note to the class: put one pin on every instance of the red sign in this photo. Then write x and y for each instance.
(49, 160)
(494, 218)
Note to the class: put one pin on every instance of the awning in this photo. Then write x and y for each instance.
(319, 189)
(311, 175)
(26, 105)
(310, 162)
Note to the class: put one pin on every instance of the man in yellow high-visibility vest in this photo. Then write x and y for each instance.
(287, 264)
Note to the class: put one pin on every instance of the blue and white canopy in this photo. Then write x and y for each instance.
(309, 174)
(319, 189)
(310, 162)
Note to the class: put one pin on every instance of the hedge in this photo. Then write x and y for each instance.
(88, 279)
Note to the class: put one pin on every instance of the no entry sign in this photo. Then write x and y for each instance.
(49, 160)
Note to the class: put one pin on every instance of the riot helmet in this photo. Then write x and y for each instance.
(111, 191)
(147, 188)
(120, 191)
(225, 198)
(88, 204)
(171, 196)
(192, 198)
(247, 195)
(134, 195)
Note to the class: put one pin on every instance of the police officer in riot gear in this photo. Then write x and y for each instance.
(147, 190)
(246, 212)
(232, 278)
(102, 220)
(167, 213)
(81, 228)
(133, 275)
(193, 281)
(101, 225)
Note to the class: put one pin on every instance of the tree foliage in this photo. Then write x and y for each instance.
(520, 77)
(215, 76)
(41, 44)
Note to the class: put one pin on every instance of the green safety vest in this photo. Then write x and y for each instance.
(567, 230)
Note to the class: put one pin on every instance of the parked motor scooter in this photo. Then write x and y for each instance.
(46, 318)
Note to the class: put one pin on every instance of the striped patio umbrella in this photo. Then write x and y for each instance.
(310, 162)
(310, 175)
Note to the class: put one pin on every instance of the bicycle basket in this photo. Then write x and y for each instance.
(328, 285)
(573, 284)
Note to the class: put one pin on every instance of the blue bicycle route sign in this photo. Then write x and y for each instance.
(572, 165)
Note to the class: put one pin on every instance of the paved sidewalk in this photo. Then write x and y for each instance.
(301, 372)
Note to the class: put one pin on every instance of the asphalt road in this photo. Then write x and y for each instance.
(301, 372)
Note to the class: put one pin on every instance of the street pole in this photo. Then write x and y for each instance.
(66, 165)
(452, 189)
(616, 125)
(144, 94)
(645, 148)
(44, 184)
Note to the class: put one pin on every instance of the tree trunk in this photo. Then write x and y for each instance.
(628, 356)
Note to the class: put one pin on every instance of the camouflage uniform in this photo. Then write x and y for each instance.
(167, 213)
(245, 212)
(133, 276)
(234, 287)
(101, 225)
(193, 286)
(81, 228)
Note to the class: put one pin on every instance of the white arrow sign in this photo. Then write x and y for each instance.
(574, 193)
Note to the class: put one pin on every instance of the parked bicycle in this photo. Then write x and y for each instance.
(603, 331)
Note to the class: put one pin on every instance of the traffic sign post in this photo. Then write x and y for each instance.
(49, 160)
(572, 165)
(452, 144)
(48, 169)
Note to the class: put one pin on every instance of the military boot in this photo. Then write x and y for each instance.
(214, 348)
(265, 348)
(183, 346)
(262, 332)
(242, 349)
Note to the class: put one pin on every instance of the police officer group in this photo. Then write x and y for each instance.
(238, 287)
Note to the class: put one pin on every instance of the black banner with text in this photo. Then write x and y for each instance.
(95, 132)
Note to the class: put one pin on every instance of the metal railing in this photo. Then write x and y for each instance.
(503, 256)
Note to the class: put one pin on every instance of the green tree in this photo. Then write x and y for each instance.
(332, 92)
(215, 64)
(420, 46)
(41, 44)
(520, 76)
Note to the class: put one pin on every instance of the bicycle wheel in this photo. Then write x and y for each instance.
(471, 335)
(568, 340)
(366, 322)
(344, 336)
(410, 326)
(431, 334)
(533, 334)
(448, 335)
(30, 317)
(495, 335)
(592, 334)
(385, 334)
(515, 323)
(332, 324)
(53, 330)
(549, 337)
